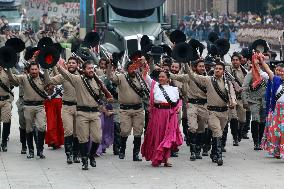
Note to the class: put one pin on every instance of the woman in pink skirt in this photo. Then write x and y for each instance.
(163, 133)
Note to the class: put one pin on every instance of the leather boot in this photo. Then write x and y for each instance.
(41, 137)
(192, 137)
(75, 150)
(207, 142)
(84, 155)
(122, 148)
(23, 140)
(224, 138)
(198, 145)
(234, 124)
(219, 151)
(93, 151)
(5, 135)
(246, 125)
(260, 135)
(35, 133)
(116, 140)
(184, 122)
(30, 143)
(136, 149)
(68, 148)
(255, 134)
(213, 154)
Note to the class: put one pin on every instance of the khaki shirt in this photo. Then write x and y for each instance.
(126, 95)
(69, 93)
(5, 80)
(29, 93)
(193, 91)
(83, 96)
(213, 99)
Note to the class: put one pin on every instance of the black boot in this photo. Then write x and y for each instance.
(255, 134)
(75, 150)
(122, 148)
(5, 135)
(240, 131)
(30, 143)
(116, 140)
(93, 151)
(213, 154)
(40, 143)
(207, 142)
(198, 145)
(219, 151)
(68, 148)
(184, 122)
(136, 149)
(234, 124)
(84, 155)
(246, 126)
(260, 135)
(23, 140)
(192, 138)
(224, 138)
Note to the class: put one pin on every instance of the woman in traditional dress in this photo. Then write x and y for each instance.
(273, 139)
(163, 133)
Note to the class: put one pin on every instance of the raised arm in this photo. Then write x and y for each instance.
(111, 75)
(56, 80)
(201, 79)
(67, 75)
(17, 79)
(267, 70)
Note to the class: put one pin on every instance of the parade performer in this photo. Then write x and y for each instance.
(273, 141)
(163, 134)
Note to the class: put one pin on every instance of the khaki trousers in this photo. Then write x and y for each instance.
(6, 109)
(132, 119)
(20, 105)
(238, 112)
(197, 118)
(35, 114)
(68, 114)
(88, 125)
(217, 122)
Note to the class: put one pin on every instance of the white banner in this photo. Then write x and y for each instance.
(35, 8)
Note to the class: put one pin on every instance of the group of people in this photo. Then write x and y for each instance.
(102, 104)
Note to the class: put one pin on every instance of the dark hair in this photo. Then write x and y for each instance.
(85, 64)
(128, 63)
(32, 64)
(195, 64)
(167, 62)
(73, 58)
(281, 65)
(103, 59)
(166, 72)
(179, 64)
(236, 54)
(220, 63)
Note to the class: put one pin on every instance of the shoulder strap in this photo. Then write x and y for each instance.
(36, 89)
(138, 91)
(58, 91)
(223, 96)
(166, 96)
(202, 88)
(6, 88)
(278, 95)
(91, 91)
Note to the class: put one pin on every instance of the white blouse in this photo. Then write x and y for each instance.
(172, 92)
(281, 99)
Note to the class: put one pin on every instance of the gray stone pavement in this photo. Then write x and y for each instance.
(243, 168)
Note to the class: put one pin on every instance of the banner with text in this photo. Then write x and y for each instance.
(35, 8)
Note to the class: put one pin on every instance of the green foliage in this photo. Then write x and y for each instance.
(277, 6)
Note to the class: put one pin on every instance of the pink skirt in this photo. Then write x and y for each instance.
(162, 136)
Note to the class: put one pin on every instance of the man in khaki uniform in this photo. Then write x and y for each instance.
(68, 112)
(237, 116)
(197, 112)
(220, 94)
(130, 94)
(5, 106)
(88, 123)
(34, 112)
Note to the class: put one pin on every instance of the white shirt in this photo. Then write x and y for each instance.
(172, 92)
(281, 99)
